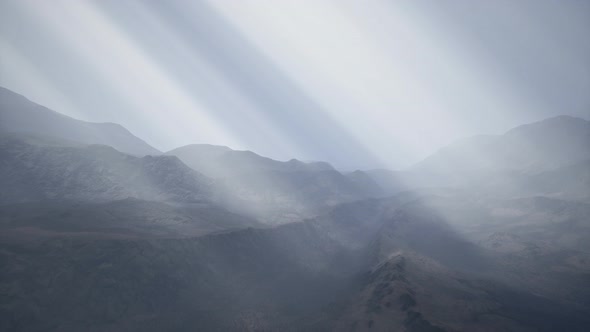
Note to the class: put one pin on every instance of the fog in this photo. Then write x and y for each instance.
(417, 166)
(382, 84)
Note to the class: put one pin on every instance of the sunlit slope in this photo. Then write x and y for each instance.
(221, 161)
(275, 191)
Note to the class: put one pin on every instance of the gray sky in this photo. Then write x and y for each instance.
(357, 83)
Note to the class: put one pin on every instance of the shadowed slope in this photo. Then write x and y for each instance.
(33, 170)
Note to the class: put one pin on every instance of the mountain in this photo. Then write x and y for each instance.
(531, 148)
(232, 281)
(366, 183)
(388, 264)
(38, 168)
(548, 158)
(222, 162)
(282, 197)
(446, 263)
(206, 238)
(568, 182)
(273, 191)
(393, 182)
(122, 219)
(20, 115)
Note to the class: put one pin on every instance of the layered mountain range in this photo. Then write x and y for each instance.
(101, 232)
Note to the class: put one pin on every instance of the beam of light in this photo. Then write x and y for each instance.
(29, 76)
(211, 88)
(275, 94)
(397, 79)
(327, 55)
(133, 73)
(389, 74)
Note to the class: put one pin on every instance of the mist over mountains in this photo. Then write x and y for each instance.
(101, 232)
(532, 148)
(19, 115)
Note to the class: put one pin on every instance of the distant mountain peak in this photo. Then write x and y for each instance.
(560, 122)
(20, 115)
(535, 147)
(221, 161)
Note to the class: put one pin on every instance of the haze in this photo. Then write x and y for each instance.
(361, 166)
(360, 85)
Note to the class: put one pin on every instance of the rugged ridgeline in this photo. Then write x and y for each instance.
(53, 186)
(98, 238)
(222, 162)
(35, 170)
(455, 262)
(52, 156)
(20, 115)
(39, 168)
(273, 191)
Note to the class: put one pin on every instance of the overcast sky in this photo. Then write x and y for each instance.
(361, 84)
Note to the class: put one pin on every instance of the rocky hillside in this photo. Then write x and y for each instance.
(33, 170)
(222, 162)
(372, 265)
(488, 235)
(274, 191)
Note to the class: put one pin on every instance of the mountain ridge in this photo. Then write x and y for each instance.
(19, 114)
(538, 146)
(219, 161)
(92, 172)
(97, 239)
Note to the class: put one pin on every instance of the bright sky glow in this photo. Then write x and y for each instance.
(359, 84)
